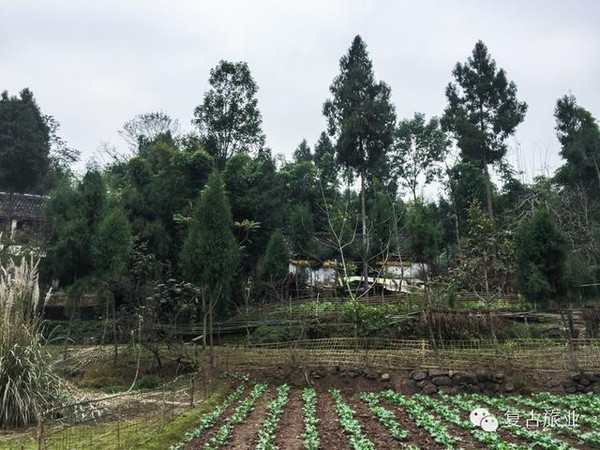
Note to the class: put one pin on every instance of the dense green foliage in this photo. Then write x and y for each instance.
(541, 257)
(482, 112)
(228, 118)
(420, 147)
(158, 231)
(273, 266)
(210, 253)
(24, 143)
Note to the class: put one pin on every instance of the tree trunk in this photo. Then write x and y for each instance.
(204, 315)
(71, 321)
(488, 188)
(11, 214)
(106, 321)
(210, 331)
(597, 172)
(114, 327)
(363, 208)
(571, 331)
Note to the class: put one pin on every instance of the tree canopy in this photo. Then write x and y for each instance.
(228, 119)
(482, 112)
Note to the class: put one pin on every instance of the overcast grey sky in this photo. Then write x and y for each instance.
(95, 64)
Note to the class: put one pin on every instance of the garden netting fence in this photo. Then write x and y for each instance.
(121, 421)
(536, 354)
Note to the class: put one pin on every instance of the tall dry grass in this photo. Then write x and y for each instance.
(28, 385)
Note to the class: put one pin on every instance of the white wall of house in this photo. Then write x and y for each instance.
(326, 276)
(321, 276)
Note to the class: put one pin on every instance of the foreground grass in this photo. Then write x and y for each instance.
(172, 432)
(145, 433)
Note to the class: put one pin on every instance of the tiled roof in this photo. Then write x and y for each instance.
(25, 206)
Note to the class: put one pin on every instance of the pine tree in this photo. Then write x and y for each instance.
(302, 153)
(482, 112)
(361, 119)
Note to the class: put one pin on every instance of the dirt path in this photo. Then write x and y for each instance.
(330, 431)
(291, 424)
(244, 435)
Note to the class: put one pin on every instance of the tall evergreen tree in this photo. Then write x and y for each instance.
(210, 253)
(482, 112)
(325, 162)
(302, 229)
(228, 118)
(361, 118)
(74, 214)
(24, 143)
(541, 257)
(273, 267)
(111, 248)
(302, 153)
(424, 233)
(579, 135)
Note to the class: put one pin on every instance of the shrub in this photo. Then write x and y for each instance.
(28, 385)
(148, 382)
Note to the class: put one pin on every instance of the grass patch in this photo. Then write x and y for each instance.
(135, 436)
(173, 431)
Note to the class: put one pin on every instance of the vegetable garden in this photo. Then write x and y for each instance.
(252, 417)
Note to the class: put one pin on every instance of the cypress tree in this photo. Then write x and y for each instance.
(361, 118)
(210, 253)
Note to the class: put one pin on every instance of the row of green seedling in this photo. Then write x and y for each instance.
(591, 438)
(540, 439)
(350, 425)
(209, 419)
(219, 439)
(491, 440)
(436, 429)
(310, 436)
(266, 436)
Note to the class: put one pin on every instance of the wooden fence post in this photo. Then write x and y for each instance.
(192, 389)
(40, 429)
(118, 431)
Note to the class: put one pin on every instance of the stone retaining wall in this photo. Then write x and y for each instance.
(433, 380)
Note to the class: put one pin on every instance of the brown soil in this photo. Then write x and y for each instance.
(244, 435)
(199, 442)
(467, 439)
(330, 430)
(418, 435)
(522, 421)
(289, 435)
(374, 430)
(505, 435)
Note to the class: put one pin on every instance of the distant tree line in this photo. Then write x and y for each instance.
(213, 216)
